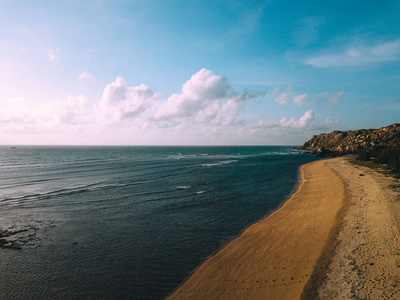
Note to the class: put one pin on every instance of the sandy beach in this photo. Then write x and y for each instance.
(366, 260)
(276, 257)
(337, 237)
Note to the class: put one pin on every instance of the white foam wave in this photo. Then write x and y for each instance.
(219, 163)
(104, 186)
(183, 187)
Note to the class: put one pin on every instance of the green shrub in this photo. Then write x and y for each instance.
(364, 155)
(389, 156)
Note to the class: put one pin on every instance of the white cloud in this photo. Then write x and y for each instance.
(121, 102)
(301, 100)
(264, 125)
(329, 123)
(206, 85)
(334, 98)
(304, 121)
(322, 94)
(18, 115)
(202, 92)
(53, 54)
(207, 110)
(285, 97)
(298, 129)
(75, 110)
(275, 92)
(85, 75)
(207, 103)
(14, 110)
(205, 99)
(354, 56)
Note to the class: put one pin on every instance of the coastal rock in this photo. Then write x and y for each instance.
(338, 143)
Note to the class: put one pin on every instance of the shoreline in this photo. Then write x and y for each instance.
(281, 255)
(319, 276)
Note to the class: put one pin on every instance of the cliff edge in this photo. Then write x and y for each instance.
(339, 143)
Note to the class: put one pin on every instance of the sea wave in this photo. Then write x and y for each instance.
(236, 156)
(203, 156)
(59, 192)
(183, 187)
(272, 153)
(219, 163)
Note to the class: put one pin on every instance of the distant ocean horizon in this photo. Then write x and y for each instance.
(129, 222)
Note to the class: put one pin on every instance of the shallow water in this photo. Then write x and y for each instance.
(128, 222)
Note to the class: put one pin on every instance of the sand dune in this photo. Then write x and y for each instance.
(281, 255)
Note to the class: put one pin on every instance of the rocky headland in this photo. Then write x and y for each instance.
(338, 143)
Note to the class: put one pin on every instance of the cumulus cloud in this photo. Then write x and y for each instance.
(304, 121)
(120, 101)
(301, 100)
(201, 94)
(53, 55)
(334, 98)
(285, 97)
(205, 84)
(206, 106)
(293, 125)
(354, 56)
(205, 99)
(85, 75)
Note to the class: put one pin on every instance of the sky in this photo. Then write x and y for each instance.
(189, 72)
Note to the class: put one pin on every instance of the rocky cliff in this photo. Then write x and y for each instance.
(344, 142)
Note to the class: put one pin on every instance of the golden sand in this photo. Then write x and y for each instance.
(366, 260)
(276, 257)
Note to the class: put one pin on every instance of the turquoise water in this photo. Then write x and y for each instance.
(128, 222)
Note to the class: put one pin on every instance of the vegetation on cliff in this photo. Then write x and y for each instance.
(377, 146)
(353, 142)
(388, 157)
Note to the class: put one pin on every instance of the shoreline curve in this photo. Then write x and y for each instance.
(283, 255)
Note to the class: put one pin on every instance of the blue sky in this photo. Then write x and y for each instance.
(195, 72)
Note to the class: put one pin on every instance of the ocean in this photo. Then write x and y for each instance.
(128, 222)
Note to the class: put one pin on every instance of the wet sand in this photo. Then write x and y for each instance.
(281, 256)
